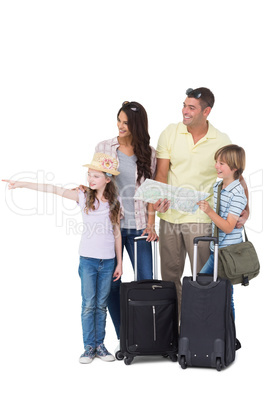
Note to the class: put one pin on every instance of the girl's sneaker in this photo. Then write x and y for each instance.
(103, 353)
(88, 355)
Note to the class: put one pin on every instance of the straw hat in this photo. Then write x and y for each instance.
(104, 163)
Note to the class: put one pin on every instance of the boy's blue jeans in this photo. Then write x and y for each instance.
(144, 251)
(208, 269)
(96, 278)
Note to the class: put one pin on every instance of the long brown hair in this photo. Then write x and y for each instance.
(138, 126)
(111, 194)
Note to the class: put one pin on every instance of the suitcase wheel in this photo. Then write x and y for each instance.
(173, 357)
(119, 355)
(128, 360)
(218, 364)
(182, 362)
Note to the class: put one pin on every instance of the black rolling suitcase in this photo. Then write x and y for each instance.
(149, 316)
(207, 329)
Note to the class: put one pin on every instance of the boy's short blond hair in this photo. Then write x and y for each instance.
(234, 156)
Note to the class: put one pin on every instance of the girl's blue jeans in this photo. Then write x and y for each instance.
(208, 269)
(144, 252)
(96, 277)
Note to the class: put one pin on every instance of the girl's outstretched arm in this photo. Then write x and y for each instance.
(45, 188)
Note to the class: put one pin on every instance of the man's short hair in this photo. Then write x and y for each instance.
(205, 96)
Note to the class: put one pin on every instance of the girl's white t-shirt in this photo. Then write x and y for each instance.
(97, 239)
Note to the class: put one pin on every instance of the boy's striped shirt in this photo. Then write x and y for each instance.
(233, 201)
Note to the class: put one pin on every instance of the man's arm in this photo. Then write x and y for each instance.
(245, 214)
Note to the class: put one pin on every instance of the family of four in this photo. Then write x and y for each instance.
(189, 154)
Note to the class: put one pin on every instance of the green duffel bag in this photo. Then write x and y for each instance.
(239, 262)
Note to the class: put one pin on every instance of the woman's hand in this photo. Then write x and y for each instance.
(81, 187)
(150, 232)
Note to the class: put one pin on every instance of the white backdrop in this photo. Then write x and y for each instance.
(66, 67)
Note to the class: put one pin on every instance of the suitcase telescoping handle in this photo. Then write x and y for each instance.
(155, 268)
(216, 249)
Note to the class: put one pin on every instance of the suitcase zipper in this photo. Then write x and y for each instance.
(142, 303)
(154, 323)
(151, 304)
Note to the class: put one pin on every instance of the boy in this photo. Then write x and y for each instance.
(230, 164)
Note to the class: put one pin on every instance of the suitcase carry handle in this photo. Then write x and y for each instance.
(156, 281)
(155, 265)
(216, 249)
(206, 238)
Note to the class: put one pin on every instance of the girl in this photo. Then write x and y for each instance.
(136, 162)
(100, 243)
(230, 163)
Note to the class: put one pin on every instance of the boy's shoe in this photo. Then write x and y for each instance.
(88, 355)
(103, 353)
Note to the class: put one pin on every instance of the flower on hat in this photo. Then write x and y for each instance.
(104, 163)
(107, 163)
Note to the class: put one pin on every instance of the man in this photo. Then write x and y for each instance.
(185, 158)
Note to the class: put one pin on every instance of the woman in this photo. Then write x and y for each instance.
(136, 162)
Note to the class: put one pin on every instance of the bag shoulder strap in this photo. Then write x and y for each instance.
(216, 229)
